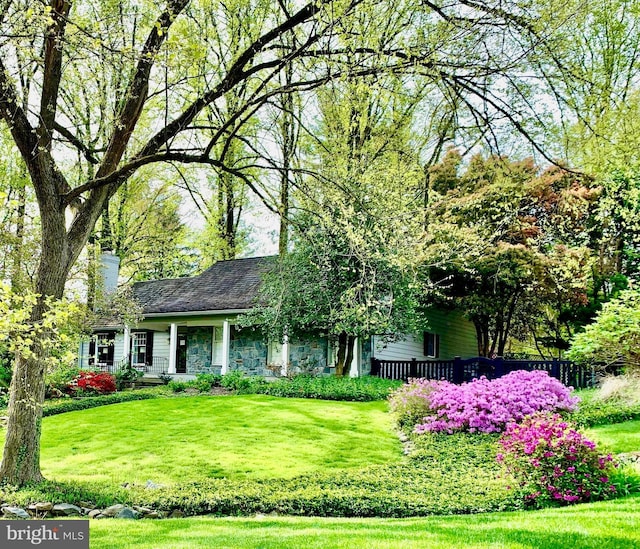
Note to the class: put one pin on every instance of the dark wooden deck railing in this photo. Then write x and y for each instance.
(158, 365)
(460, 370)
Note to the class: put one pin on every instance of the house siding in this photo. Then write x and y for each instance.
(118, 351)
(161, 346)
(457, 338)
(364, 368)
(83, 354)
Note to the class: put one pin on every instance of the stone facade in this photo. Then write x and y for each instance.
(199, 342)
(309, 355)
(248, 353)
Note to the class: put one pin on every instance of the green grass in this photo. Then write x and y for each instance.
(604, 525)
(619, 437)
(236, 437)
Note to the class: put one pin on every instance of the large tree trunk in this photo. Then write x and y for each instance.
(345, 353)
(21, 456)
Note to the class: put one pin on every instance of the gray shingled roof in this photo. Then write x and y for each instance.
(227, 285)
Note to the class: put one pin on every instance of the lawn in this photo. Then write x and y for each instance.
(266, 458)
(235, 437)
(617, 438)
(604, 525)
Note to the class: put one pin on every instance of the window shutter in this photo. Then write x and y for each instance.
(92, 350)
(149, 358)
(112, 346)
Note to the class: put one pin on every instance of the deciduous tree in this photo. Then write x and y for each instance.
(121, 85)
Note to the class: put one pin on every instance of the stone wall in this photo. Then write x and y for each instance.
(248, 353)
(199, 341)
(311, 353)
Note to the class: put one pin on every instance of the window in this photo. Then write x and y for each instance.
(217, 346)
(103, 348)
(431, 345)
(274, 353)
(139, 348)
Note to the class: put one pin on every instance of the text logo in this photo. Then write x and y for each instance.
(44, 534)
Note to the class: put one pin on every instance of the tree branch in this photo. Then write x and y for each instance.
(15, 117)
(136, 94)
(52, 72)
(64, 132)
(235, 75)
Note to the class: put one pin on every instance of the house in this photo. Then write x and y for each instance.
(449, 335)
(190, 326)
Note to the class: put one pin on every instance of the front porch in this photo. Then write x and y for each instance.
(185, 348)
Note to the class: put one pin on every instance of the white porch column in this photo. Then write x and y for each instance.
(226, 346)
(285, 356)
(355, 360)
(126, 344)
(173, 347)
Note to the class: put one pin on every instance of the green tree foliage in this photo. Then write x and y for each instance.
(601, 100)
(60, 329)
(19, 230)
(526, 263)
(147, 232)
(121, 85)
(351, 269)
(614, 336)
(339, 279)
(616, 230)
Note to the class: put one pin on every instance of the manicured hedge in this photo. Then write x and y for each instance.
(359, 389)
(60, 406)
(394, 491)
(379, 491)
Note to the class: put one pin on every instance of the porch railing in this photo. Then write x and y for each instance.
(460, 370)
(157, 365)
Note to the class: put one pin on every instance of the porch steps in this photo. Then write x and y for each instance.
(148, 382)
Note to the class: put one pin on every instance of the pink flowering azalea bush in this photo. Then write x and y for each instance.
(554, 463)
(487, 406)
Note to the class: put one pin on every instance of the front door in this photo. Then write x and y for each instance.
(181, 354)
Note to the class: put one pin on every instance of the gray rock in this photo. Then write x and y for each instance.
(153, 515)
(15, 513)
(113, 510)
(150, 485)
(128, 513)
(95, 513)
(176, 514)
(66, 510)
(43, 507)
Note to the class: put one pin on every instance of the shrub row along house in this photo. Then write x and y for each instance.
(189, 326)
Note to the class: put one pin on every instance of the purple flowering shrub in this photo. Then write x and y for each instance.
(410, 403)
(488, 406)
(554, 463)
